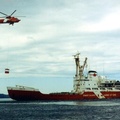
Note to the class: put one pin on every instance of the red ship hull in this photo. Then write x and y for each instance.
(21, 95)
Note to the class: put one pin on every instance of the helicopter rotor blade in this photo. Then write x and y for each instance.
(4, 14)
(19, 16)
(13, 13)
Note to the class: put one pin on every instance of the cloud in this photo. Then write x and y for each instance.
(109, 22)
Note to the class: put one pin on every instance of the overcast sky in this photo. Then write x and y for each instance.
(39, 49)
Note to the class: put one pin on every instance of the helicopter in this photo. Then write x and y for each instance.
(9, 19)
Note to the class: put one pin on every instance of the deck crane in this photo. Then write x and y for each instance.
(79, 70)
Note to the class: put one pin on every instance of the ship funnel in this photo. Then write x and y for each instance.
(92, 73)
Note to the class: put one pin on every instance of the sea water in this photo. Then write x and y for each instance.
(72, 110)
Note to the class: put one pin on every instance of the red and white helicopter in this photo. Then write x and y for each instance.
(8, 19)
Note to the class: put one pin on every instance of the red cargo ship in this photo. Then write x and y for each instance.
(91, 86)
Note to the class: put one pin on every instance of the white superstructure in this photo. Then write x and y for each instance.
(92, 82)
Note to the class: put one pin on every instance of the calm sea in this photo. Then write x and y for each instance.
(75, 110)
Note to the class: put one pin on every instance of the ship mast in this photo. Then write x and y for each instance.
(76, 57)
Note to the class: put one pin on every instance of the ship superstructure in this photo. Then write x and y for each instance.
(90, 86)
(99, 85)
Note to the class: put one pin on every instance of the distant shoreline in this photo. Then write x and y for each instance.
(4, 96)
